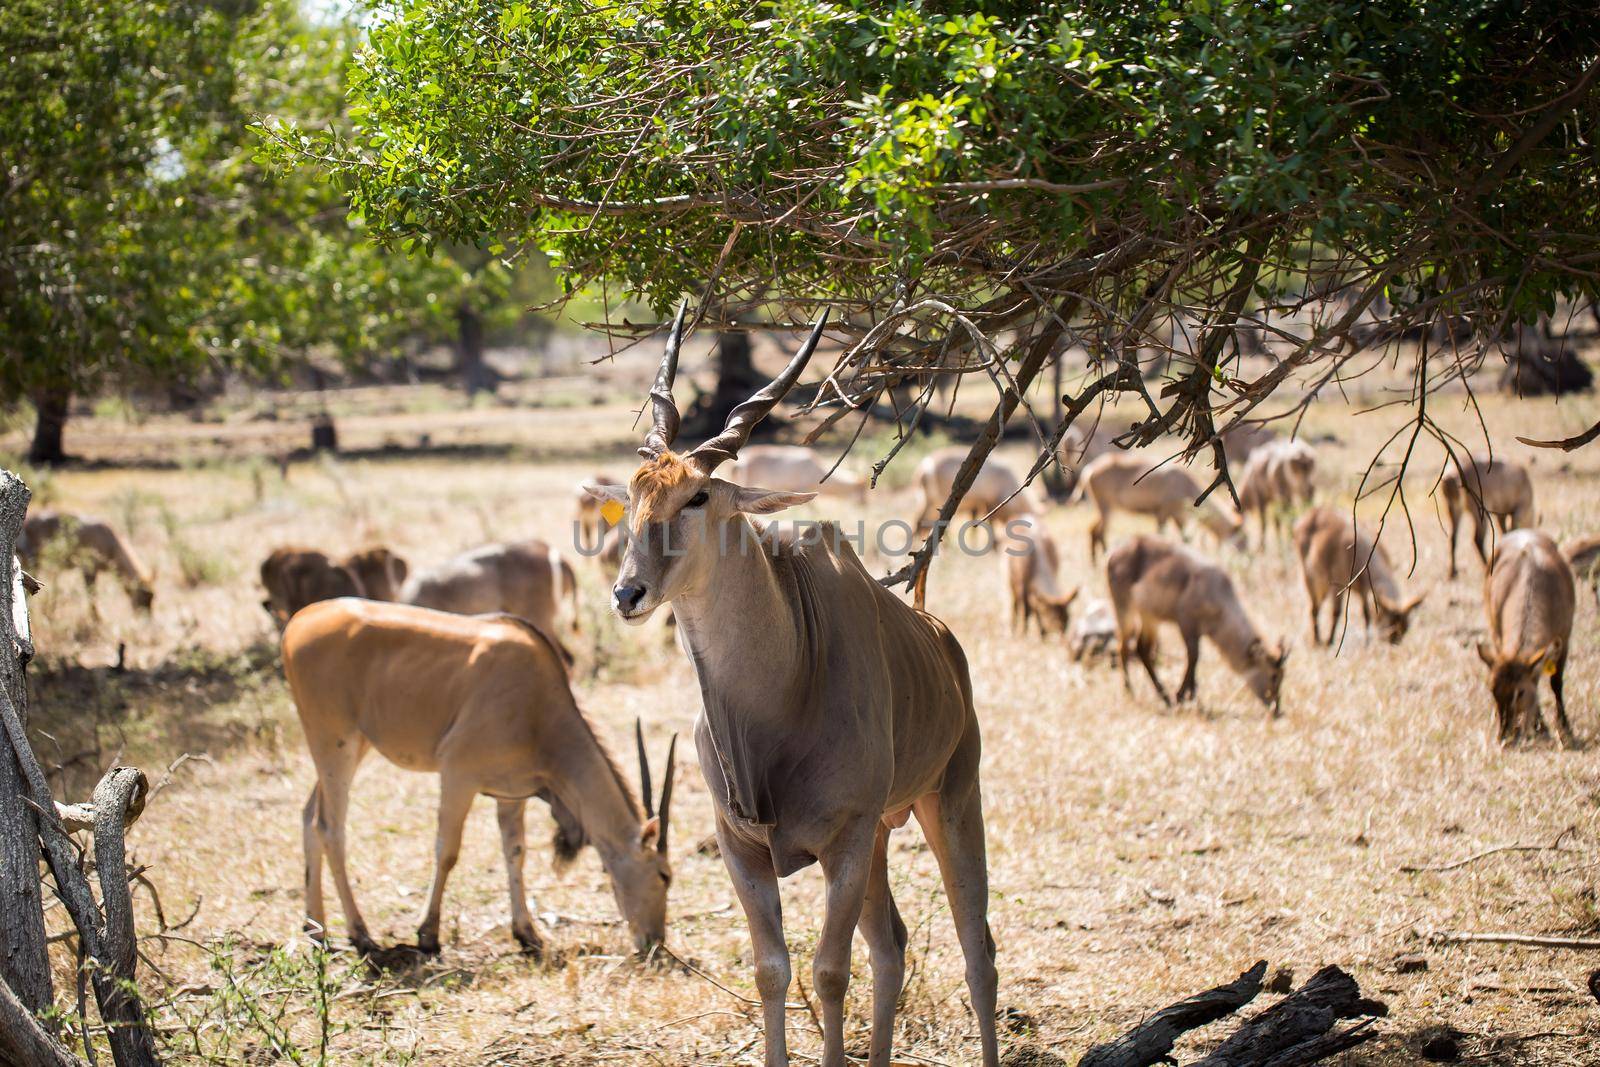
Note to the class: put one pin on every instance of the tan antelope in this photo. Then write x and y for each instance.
(1154, 581)
(1583, 554)
(832, 713)
(1528, 596)
(484, 703)
(1479, 488)
(1032, 562)
(996, 489)
(528, 579)
(1145, 485)
(90, 547)
(1336, 555)
(794, 468)
(1277, 476)
(294, 577)
(588, 524)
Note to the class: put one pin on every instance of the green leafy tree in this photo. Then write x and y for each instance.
(144, 241)
(970, 184)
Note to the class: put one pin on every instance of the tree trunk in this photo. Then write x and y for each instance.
(24, 962)
(736, 380)
(476, 375)
(52, 406)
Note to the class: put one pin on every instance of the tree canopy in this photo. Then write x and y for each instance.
(970, 183)
(145, 240)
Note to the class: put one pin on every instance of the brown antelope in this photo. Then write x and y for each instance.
(1529, 598)
(589, 525)
(91, 547)
(485, 704)
(1155, 581)
(1277, 476)
(1479, 488)
(1583, 554)
(795, 469)
(294, 577)
(832, 713)
(528, 579)
(1240, 442)
(996, 489)
(1336, 555)
(1032, 562)
(1146, 485)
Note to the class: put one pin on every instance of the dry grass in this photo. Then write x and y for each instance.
(1137, 854)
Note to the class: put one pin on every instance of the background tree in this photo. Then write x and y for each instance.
(973, 187)
(144, 242)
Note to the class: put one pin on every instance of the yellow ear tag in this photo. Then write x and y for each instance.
(1550, 667)
(612, 510)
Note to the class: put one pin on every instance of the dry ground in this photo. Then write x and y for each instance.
(1137, 854)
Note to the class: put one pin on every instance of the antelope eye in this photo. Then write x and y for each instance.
(698, 500)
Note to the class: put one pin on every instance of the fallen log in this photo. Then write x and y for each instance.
(1295, 1032)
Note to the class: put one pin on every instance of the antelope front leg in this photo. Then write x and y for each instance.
(513, 845)
(846, 864)
(756, 885)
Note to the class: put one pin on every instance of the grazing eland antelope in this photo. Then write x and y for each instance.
(832, 712)
(528, 579)
(1528, 596)
(1032, 562)
(484, 703)
(1337, 554)
(91, 547)
(1155, 581)
(294, 577)
(1143, 484)
(1481, 488)
(996, 489)
(795, 469)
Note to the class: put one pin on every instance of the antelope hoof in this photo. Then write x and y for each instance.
(428, 942)
(532, 944)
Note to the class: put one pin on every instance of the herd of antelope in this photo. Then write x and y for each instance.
(861, 716)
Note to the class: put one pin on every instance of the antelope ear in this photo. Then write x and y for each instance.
(603, 492)
(1539, 655)
(649, 832)
(1070, 597)
(766, 501)
(1411, 605)
(1486, 653)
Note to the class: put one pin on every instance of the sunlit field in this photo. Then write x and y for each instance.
(1137, 854)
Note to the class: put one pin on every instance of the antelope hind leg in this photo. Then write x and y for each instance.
(885, 934)
(952, 821)
(513, 844)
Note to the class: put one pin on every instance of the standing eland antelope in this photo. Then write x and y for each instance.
(996, 489)
(832, 712)
(528, 579)
(483, 702)
(1480, 488)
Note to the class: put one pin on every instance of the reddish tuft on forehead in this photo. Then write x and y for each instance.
(661, 485)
